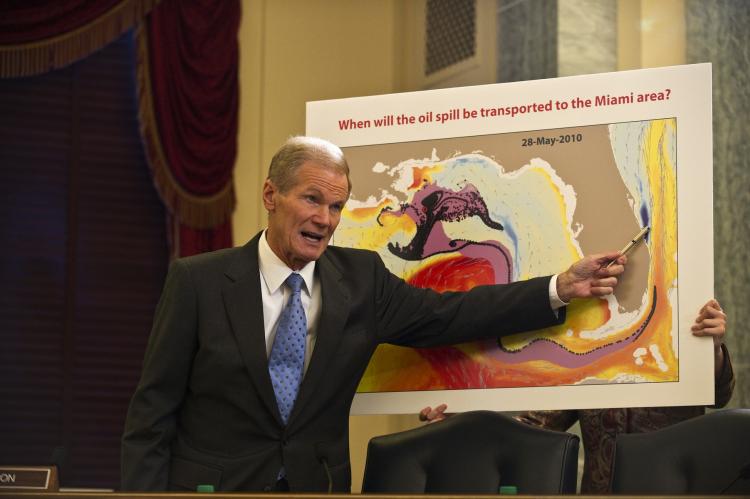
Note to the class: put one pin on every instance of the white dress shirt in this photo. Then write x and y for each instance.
(554, 299)
(273, 273)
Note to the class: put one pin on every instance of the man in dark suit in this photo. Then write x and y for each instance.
(212, 407)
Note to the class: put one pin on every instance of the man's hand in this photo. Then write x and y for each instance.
(591, 276)
(431, 415)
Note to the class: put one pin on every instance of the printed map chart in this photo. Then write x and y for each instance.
(455, 212)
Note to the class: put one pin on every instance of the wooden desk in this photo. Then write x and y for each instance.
(239, 495)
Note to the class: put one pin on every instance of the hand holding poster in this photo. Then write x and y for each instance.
(487, 185)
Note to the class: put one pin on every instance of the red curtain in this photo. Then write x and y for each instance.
(37, 36)
(186, 241)
(187, 86)
(31, 20)
(188, 98)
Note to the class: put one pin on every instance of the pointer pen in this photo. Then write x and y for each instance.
(631, 244)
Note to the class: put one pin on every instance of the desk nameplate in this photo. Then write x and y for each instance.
(41, 478)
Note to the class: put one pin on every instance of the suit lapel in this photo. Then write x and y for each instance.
(244, 306)
(333, 315)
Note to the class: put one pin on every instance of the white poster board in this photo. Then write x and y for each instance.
(498, 183)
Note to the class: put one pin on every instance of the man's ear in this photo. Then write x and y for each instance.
(269, 191)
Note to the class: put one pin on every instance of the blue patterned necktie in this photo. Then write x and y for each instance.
(288, 351)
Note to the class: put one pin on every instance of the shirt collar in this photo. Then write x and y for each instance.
(275, 271)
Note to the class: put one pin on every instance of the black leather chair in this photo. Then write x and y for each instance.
(705, 455)
(472, 453)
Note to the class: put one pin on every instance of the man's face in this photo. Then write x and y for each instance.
(301, 220)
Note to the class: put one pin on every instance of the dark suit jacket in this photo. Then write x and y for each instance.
(204, 410)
